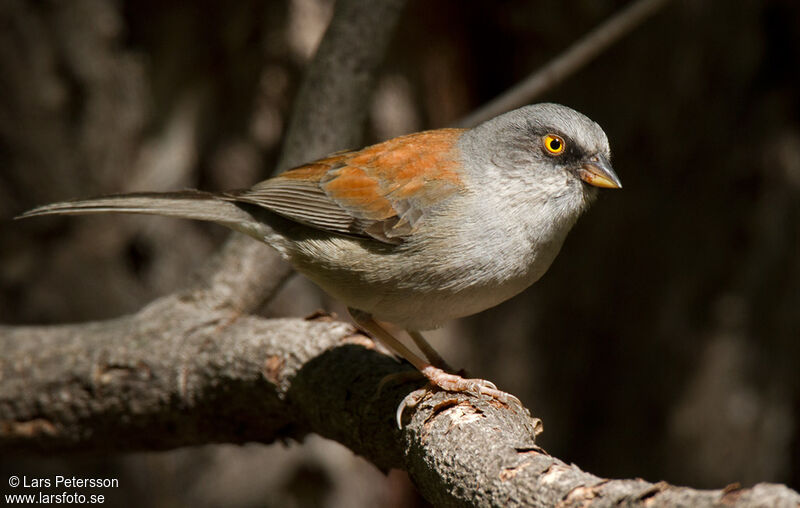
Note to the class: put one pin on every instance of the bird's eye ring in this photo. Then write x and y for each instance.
(554, 145)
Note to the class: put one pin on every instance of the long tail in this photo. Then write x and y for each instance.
(189, 204)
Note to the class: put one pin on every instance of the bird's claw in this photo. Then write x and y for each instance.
(480, 387)
(410, 400)
(453, 383)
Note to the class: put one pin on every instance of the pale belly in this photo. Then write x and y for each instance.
(412, 289)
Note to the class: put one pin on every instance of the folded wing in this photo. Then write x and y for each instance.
(382, 191)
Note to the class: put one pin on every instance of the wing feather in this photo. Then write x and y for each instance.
(381, 192)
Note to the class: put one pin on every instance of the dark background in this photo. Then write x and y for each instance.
(664, 343)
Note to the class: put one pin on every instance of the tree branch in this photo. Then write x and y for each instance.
(128, 384)
(177, 374)
(568, 62)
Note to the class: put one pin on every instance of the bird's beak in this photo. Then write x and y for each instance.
(596, 170)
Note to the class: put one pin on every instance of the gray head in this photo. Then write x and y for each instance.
(547, 142)
(554, 151)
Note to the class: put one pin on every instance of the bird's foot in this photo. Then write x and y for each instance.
(456, 384)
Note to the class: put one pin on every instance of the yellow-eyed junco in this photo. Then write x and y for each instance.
(419, 229)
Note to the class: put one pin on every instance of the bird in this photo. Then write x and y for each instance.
(417, 230)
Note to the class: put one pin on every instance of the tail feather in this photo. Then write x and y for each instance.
(189, 204)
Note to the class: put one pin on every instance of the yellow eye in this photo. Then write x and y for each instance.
(553, 144)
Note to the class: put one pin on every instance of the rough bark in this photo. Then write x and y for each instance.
(179, 374)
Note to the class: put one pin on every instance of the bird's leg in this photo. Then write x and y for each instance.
(435, 375)
(433, 357)
(369, 325)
